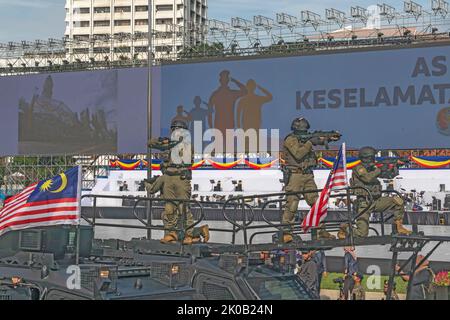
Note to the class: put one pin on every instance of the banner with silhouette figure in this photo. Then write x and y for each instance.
(388, 99)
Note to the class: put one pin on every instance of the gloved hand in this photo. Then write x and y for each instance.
(317, 141)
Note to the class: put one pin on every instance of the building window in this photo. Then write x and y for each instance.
(81, 10)
(141, 22)
(122, 50)
(164, 21)
(141, 8)
(179, 20)
(101, 49)
(163, 49)
(81, 24)
(122, 9)
(180, 7)
(102, 10)
(81, 37)
(120, 23)
(164, 7)
(164, 35)
(100, 37)
(81, 50)
(102, 23)
(140, 49)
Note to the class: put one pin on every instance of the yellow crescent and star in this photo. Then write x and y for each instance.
(48, 185)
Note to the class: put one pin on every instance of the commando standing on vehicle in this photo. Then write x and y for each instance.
(300, 160)
(366, 175)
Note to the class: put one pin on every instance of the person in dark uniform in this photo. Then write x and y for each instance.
(350, 268)
(321, 261)
(423, 278)
(307, 272)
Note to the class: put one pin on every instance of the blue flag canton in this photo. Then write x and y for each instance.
(339, 163)
(62, 186)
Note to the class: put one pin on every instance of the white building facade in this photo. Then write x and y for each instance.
(117, 29)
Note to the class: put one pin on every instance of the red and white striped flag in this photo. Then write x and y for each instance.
(50, 202)
(336, 180)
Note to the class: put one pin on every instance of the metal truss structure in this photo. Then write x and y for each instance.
(21, 171)
(380, 25)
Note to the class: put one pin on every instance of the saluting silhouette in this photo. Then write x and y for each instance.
(222, 102)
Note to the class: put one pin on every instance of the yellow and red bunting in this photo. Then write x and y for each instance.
(330, 164)
(197, 165)
(430, 164)
(258, 166)
(224, 166)
(128, 166)
(155, 166)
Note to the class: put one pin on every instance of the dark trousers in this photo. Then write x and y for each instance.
(319, 282)
(349, 283)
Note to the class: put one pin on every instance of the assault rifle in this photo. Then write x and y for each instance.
(389, 166)
(163, 144)
(327, 136)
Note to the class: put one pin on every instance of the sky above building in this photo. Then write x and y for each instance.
(43, 19)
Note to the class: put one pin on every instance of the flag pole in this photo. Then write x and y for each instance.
(349, 204)
(78, 232)
(149, 112)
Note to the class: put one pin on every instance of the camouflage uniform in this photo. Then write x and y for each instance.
(358, 292)
(158, 186)
(369, 179)
(176, 184)
(299, 160)
(366, 175)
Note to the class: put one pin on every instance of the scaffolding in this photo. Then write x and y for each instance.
(260, 35)
(21, 171)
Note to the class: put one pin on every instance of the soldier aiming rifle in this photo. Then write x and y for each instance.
(300, 160)
(390, 167)
(176, 184)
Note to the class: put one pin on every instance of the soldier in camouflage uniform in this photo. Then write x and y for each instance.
(300, 160)
(177, 185)
(366, 175)
(156, 185)
(358, 292)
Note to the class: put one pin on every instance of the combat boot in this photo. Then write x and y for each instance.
(188, 240)
(196, 240)
(287, 238)
(324, 234)
(170, 238)
(204, 231)
(342, 233)
(401, 230)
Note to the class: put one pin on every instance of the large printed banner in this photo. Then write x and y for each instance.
(91, 112)
(389, 99)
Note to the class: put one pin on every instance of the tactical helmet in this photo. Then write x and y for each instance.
(178, 124)
(367, 154)
(300, 124)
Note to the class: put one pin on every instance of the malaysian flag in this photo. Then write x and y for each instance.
(336, 180)
(49, 202)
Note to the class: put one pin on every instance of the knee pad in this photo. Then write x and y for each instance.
(398, 201)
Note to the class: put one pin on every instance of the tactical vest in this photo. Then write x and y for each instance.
(373, 186)
(173, 169)
(308, 162)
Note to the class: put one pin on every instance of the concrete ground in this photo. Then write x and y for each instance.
(334, 295)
